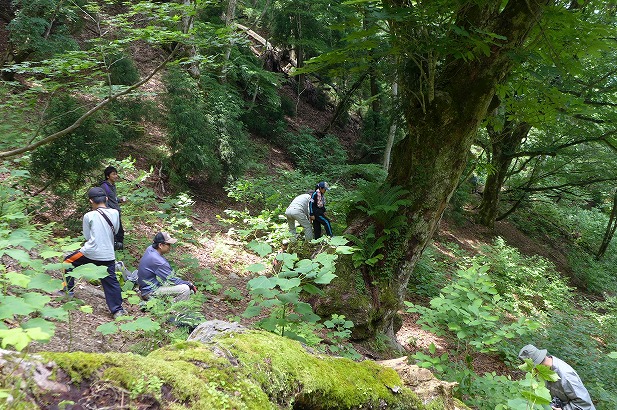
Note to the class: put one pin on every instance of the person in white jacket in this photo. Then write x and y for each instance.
(298, 210)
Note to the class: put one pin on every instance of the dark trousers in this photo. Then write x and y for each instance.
(111, 286)
(321, 220)
(120, 235)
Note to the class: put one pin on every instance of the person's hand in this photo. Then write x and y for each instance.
(193, 288)
(312, 218)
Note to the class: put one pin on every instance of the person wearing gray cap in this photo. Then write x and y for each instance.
(155, 275)
(569, 389)
(99, 228)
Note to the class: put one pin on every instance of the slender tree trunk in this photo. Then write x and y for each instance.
(429, 161)
(230, 16)
(503, 145)
(344, 103)
(392, 131)
(610, 229)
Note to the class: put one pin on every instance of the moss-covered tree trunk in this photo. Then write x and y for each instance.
(504, 145)
(430, 160)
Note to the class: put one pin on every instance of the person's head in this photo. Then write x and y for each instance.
(162, 242)
(536, 355)
(323, 187)
(97, 196)
(111, 174)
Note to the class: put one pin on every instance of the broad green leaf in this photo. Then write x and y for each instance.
(325, 279)
(546, 373)
(256, 267)
(108, 328)
(312, 289)
(143, 323)
(305, 266)
(251, 311)
(50, 254)
(288, 284)
(338, 241)
(56, 266)
(325, 258)
(36, 300)
(345, 250)
(261, 282)
(86, 309)
(88, 272)
(54, 313)
(45, 325)
(612, 355)
(11, 305)
(288, 297)
(17, 279)
(19, 255)
(45, 283)
(260, 248)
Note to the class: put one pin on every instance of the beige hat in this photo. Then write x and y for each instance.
(164, 237)
(533, 353)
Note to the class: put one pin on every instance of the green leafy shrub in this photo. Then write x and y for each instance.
(531, 283)
(206, 134)
(310, 153)
(71, 158)
(122, 70)
(471, 309)
(279, 296)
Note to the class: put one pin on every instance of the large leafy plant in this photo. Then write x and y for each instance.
(471, 309)
(279, 296)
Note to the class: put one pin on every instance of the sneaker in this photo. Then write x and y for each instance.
(119, 313)
(63, 294)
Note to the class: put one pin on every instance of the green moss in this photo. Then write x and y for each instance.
(322, 382)
(78, 365)
(251, 370)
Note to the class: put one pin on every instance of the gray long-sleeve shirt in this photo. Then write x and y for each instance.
(569, 388)
(99, 244)
(299, 205)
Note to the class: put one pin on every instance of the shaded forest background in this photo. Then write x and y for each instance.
(218, 114)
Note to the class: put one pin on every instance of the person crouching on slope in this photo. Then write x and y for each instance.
(155, 275)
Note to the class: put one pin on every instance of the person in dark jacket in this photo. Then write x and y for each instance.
(569, 388)
(113, 202)
(155, 275)
(317, 210)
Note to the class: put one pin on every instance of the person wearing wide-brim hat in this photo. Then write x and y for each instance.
(569, 389)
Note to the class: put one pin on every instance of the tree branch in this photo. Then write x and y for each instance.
(89, 113)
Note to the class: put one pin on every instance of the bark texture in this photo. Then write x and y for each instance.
(429, 161)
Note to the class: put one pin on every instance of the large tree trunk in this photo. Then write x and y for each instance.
(429, 161)
(504, 144)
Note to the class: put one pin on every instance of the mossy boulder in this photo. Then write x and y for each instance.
(249, 370)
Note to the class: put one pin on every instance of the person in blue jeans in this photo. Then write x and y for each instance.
(317, 210)
(99, 228)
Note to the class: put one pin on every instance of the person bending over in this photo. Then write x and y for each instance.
(569, 389)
